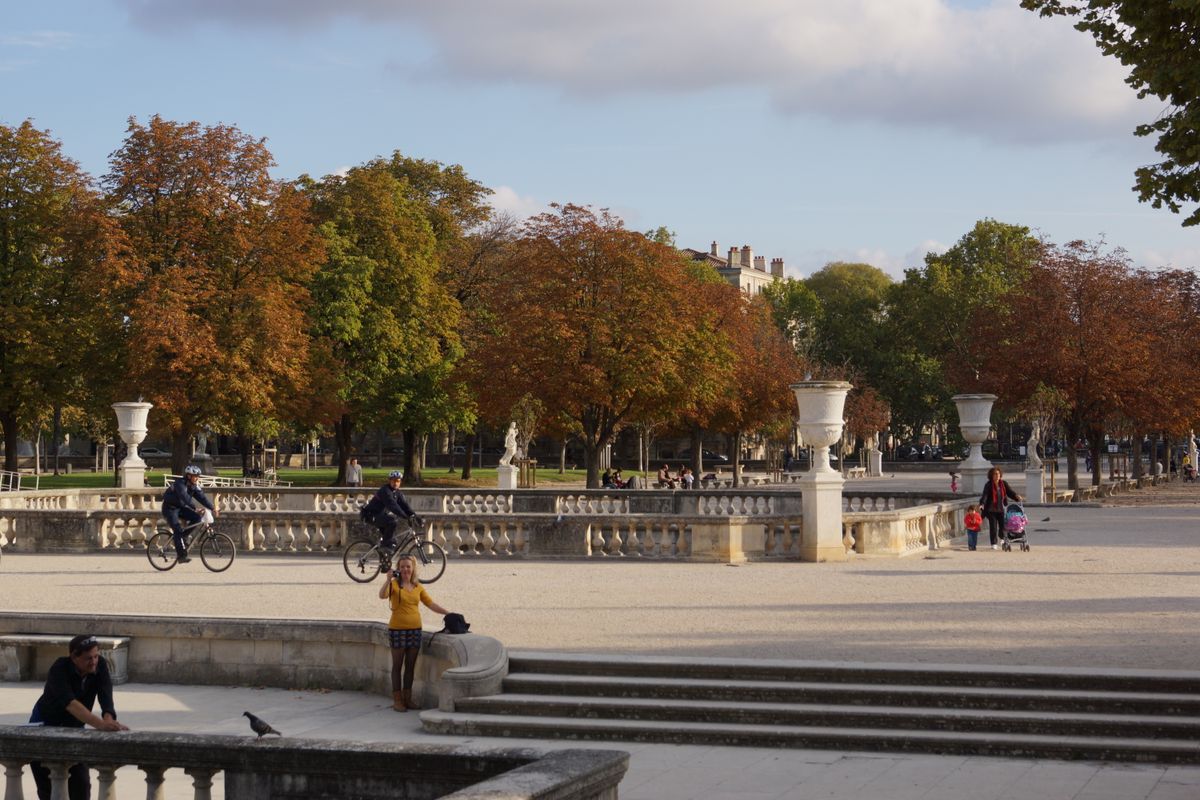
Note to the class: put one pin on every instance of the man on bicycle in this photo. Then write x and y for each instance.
(180, 501)
(383, 509)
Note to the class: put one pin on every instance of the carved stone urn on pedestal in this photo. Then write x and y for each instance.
(975, 422)
(820, 405)
(131, 424)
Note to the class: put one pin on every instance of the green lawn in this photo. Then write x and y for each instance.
(435, 477)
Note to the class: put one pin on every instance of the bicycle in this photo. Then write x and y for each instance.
(365, 559)
(217, 550)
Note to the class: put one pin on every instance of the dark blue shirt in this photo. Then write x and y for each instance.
(388, 499)
(180, 493)
(64, 683)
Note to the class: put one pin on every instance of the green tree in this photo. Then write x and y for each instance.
(853, 306)
(62, 263)
(1157, 40)
(796, 311)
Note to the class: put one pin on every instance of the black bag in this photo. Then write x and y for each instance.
(452, 623)
(365, 515)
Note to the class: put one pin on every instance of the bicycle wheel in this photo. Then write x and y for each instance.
(432, 559)
(160, 549)
(217, 552)
(361, 560)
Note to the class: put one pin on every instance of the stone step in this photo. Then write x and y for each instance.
(1101, 748)
(839, 716)
(892, 695)
(952, 675)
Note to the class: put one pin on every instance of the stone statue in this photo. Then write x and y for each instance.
(510, 445)
(1035, 462)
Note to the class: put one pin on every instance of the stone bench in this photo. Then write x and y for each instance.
(28, 656)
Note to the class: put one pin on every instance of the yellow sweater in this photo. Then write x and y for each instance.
(406, 616)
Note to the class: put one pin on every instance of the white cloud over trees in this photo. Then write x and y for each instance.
(995, 71)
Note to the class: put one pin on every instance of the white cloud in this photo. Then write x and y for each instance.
(506, 199)
(1183, 258)
(39, 39)
(996, 71)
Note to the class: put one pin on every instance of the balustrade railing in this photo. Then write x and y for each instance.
(308, 769)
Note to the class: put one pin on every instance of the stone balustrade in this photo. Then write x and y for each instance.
(901, 530)
(304, 769)
(702, 525)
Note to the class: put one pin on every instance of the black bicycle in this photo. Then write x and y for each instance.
(365, 559)
(217, 550)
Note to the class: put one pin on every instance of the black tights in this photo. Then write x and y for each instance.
(404, 664)
(995, 526)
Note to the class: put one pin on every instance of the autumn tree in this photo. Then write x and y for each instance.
(1070, 326)
(593, 328)
(217, 330)
(1157, 41)
(61, 265)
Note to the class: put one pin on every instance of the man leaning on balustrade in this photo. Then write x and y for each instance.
(73, 685)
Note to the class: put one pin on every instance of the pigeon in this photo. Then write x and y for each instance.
(260, 726)
(1047, 519)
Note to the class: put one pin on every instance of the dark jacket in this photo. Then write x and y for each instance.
(64, 684)
(388, 499)
(180, 494)
(988, 504)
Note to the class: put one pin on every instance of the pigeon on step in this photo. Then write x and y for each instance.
(260, 726)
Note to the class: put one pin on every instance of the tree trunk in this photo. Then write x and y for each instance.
(472, 439)
(562, 458)
(591, 454)
(179, 450)
(243, 446)
(8, 422)
(343, 439)
(412, 458)
(56, 434)
(1073, 434)
(735, 444)
(697, 465)
(1135, 455)
(1095, 439)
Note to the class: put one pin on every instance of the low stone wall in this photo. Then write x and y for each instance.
(308, 769)
(312, 654)
(904, 531)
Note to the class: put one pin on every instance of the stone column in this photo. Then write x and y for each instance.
(875, 459)
(12, 779)
(820, 422)
(975, 421)
(131, 422)
(1034, 489)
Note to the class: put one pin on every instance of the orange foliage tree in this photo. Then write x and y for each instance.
(592, 328)
(217, 329)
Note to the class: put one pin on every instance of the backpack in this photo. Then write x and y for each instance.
(452, 623)
(364, 513)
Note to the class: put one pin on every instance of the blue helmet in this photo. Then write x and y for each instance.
(191, 469)
(396, 474)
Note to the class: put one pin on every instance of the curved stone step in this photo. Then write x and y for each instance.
(1051, 700)
(864, 739)
(843, 716)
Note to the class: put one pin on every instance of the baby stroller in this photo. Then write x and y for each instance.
(1015, 523)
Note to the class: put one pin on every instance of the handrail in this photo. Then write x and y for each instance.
(11, 481)
(233, 483)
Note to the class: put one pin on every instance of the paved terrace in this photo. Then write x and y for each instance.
(1103, 587)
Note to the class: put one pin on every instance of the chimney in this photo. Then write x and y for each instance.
(760, 263)
(713, 250)
(733, 257)
(777, 267)
(747, 256)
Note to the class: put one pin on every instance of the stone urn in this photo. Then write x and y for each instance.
(820, 405)
(131, 423)
(975, 422)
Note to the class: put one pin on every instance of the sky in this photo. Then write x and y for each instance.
(813, 131)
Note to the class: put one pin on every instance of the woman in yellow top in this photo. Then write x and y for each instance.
(403, 592)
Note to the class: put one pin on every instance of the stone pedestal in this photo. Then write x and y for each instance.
(875, 462)
(506, 476)
(1034, 490)
(975, 422)
(822, 498)
(131, 423)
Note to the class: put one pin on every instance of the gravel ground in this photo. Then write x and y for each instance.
(1103, 587)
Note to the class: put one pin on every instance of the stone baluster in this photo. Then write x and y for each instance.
(596, 537)
(488, 540)
(633, 546)
(472, 540)
(12, 780)
(456, 541)
(202, 781)
(106, 782)
(287, 537)
(520, 539)
(503, 543)
(615, 544)
(58, 780)
(154, 782)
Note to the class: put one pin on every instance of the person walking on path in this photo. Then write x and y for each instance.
(73, 685)
(973, 522)
(997, 494)
(354, 473)
(403, 592)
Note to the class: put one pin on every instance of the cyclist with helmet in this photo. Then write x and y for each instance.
(180, 501)
(386, 506)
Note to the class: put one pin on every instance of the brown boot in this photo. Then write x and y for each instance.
(408, 698)
(398, 703)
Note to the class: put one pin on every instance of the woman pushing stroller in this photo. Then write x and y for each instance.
(997, 494)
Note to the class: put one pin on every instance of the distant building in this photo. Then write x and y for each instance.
(742, 268)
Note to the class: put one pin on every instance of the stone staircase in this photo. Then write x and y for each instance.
(1109, 715)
